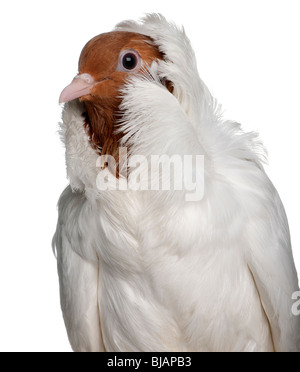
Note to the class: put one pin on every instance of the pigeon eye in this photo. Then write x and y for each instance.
(129, 60)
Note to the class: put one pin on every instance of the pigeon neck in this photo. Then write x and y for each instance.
(100, 122)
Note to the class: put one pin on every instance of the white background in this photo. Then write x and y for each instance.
(248, 55)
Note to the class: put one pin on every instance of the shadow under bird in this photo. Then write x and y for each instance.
(155, 269)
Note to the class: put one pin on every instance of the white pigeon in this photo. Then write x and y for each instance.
(203, 265)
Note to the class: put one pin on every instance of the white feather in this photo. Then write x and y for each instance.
(212, 275)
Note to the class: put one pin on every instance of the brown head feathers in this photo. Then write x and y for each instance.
(102, 59)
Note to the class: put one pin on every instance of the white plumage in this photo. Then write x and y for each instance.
(149, 271)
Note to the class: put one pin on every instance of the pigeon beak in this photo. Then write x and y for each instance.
(80, 86)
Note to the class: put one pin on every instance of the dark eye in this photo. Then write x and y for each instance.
(129, 60)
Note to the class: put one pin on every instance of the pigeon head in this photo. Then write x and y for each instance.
(105, 63)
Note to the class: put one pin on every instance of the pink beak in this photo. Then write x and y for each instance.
(80, 86)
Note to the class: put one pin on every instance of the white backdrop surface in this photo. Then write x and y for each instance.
(248, 55)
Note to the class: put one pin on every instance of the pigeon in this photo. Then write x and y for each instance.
(170, 235)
